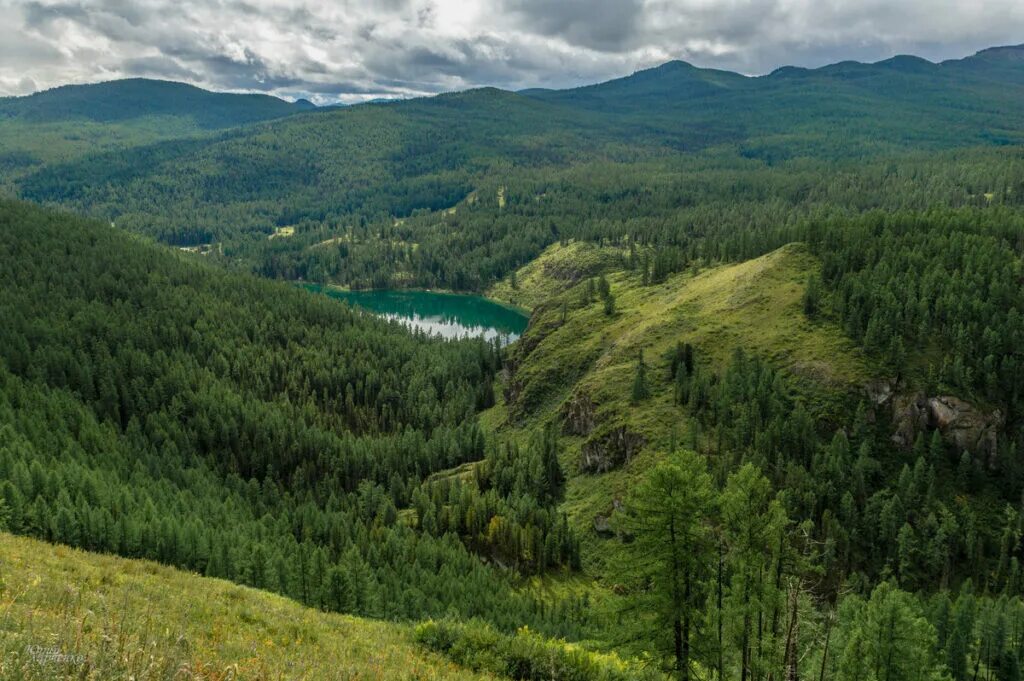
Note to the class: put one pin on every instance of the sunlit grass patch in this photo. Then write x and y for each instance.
(66, 613)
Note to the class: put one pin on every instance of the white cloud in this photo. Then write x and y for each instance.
(351, 50)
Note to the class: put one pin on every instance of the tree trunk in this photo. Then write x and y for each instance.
(721, 643)
(791, 657)
(824, 652)
(685, 671)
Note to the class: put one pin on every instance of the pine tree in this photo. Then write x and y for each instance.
(340, 594)
(887, 639)
(640, 391)
(609, 305)
(753, 521)
(812, 296)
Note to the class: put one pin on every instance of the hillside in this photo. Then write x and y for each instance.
(578, 373)
(766, 420)
(137, 619)
(991, 78)
(158, 407)
(67, 122)
(123, 100)
(576, 369)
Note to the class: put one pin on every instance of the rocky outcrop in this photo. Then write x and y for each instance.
(965, 426)
(513, 387)
(880, 391)
(611, 450)
(962, 425)
(579, 416)
(606, 528)
(565, 271)
(909, 417)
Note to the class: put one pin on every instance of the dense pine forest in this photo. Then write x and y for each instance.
(767, 420)
(160, 408)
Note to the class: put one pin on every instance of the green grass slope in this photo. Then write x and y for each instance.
(755, 305)
(129, 619)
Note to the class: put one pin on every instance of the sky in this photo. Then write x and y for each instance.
(349, 51)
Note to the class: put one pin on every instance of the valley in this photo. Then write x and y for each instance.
(686, 374)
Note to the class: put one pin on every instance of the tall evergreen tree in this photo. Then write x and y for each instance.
(669, 515)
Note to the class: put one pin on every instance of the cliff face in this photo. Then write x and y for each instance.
(962, 425)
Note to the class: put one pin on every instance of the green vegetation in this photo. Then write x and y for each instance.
(159, 408)
(69, 122)
(716, 172)
(725, 361)
(671, 549)
(765, 422)
(524, 655)
(120, 619)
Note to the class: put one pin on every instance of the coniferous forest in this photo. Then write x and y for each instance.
(766, 421)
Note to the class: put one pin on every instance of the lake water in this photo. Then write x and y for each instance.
(447, 315)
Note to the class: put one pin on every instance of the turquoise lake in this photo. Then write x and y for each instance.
(447, 315)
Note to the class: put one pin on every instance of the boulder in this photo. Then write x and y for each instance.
(910, 417)
(880, 391)
(603, 526)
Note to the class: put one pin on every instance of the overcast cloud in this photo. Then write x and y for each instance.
(331, 50)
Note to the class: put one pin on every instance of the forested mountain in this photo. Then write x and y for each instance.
(66, 123)
(122, 100)
(989, 80)
(156, 407)
(342, 177)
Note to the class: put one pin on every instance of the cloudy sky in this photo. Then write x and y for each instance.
(348, 50)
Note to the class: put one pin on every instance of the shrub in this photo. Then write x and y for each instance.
(524, 656)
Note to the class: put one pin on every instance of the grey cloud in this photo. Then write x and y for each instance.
(597, 24)
(353, 49)
(159, 67)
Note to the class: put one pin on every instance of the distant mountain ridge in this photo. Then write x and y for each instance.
(430, 153)
(120, 100)
(675, 81)
(123, 100)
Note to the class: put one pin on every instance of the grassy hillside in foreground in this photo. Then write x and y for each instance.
(754, 305)
(137, 619)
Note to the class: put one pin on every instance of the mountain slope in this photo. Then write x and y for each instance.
(328, 172)
(774, 378)
(673, 81)
(578, 373)
(155, 406)
(124, 100)
(684, 89)
(71, 121)
(115, 618)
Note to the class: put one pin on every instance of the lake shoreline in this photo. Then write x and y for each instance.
(444, 314)
(525, 311)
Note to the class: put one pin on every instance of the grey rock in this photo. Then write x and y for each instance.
(606, 452)
(578, 416)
